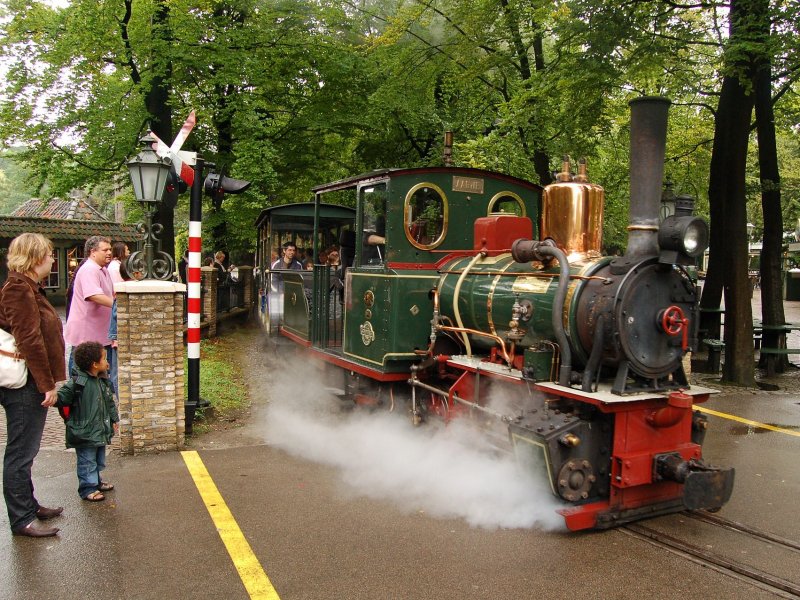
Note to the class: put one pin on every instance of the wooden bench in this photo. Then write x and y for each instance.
(772, 354)
(715, 348)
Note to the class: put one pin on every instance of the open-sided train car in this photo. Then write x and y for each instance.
(461, 286)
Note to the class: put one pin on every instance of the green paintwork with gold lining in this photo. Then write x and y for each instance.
(424, 216)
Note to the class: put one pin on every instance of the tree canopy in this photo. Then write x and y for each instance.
(291, 93)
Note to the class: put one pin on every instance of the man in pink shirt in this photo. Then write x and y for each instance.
(92, 297)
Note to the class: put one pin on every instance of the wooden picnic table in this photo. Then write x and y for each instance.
(773, 347)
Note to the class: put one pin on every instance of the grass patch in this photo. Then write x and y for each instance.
(222, 377)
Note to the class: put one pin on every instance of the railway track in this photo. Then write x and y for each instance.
(717, 560)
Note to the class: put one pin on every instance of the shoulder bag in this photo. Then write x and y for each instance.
(13, 370)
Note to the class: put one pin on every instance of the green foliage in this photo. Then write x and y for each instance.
(14, 186)
(290, 94)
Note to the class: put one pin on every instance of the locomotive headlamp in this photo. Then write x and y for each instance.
(682, 239)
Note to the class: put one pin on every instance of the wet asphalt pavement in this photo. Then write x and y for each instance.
(153, 537)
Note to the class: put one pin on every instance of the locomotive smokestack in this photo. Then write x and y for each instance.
(648, 146)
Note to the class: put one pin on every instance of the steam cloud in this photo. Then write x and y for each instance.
(446, 472)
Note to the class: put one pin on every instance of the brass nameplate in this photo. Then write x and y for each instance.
(531, 285)
(470, 185)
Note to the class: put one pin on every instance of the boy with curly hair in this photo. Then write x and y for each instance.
(93, 418)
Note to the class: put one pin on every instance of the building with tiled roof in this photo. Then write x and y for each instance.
(56, 208)
(67, 223)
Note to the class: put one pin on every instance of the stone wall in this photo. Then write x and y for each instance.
(208, 281)
(151, 373)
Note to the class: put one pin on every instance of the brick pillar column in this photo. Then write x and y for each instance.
(151, 372)
(208, 276)
(246, 277)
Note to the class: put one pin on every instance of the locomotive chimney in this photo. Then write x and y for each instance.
(648, 147)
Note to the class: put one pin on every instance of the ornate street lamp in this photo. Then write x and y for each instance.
(149, 176)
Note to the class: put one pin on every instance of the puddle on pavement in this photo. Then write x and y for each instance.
(752, 429)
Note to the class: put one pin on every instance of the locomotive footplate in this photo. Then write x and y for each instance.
(616, 459)
(604, 397)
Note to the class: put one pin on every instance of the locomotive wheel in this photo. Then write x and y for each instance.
(575, 479)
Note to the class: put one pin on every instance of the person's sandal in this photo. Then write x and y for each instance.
(95, 496)
(105, 486)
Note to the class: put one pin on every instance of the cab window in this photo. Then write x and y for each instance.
(373, 206)
(425, 215)
(506, 203)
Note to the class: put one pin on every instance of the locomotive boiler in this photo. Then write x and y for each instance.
(470, 294)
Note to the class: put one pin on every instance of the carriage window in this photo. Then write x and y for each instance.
(425, 215)
(507, 203)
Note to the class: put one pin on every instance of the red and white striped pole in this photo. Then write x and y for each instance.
(193, 307)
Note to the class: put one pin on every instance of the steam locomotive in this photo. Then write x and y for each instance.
(465, 293)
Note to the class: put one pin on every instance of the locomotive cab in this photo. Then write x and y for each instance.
(409, 222)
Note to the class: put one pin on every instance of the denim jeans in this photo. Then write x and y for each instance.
(113, 364)
(90, 462)
(25, 418)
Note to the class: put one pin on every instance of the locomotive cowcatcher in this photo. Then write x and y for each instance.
(465, 293)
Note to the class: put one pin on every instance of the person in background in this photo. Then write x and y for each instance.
(288, 261)
(36, 327)
(333, 256)
(93, 418)
(219, 264)
(93, 297)
(117, 268)
(118, 272)
(71, 287)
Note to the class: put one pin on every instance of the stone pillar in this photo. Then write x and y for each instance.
(151, 372)
(246, 277)
(208, 277)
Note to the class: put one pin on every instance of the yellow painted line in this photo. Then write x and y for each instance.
(253, 577)
(747, 421)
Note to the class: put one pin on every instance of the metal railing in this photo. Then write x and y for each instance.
(327, 306)
(230, 294)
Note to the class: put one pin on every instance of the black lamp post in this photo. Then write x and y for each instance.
(149, 176)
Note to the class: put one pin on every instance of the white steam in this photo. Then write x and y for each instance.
(445, 472)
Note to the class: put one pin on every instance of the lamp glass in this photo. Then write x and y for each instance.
(149, 173)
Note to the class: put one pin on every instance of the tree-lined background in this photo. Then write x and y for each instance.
(292, 93)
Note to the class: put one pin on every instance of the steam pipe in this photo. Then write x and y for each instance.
(416, 383)
(648, 147)
(596, 355)
(527, 250)
(457, 292)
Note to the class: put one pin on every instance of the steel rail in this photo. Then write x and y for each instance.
(759, 578)
(707, 517)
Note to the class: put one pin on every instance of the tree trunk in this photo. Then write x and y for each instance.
(157, 104)
(772, 312)
(537, 154)
(727, 188)
(224, 126)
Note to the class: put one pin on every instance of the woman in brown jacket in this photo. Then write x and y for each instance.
(29, 317)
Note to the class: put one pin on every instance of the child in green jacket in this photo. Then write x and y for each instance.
(93, 418)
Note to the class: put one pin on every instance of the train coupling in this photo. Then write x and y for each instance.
(704, 486)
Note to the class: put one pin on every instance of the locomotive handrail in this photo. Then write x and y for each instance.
(524, 274)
